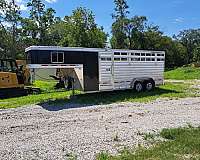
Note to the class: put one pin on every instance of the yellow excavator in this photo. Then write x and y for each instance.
(12, 79)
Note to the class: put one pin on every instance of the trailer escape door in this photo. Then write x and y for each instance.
(106, 71)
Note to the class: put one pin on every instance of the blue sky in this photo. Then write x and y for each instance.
(171, 15)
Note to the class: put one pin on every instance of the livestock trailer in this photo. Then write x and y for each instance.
(97, 69)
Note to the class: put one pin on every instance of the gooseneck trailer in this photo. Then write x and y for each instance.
(97, 69)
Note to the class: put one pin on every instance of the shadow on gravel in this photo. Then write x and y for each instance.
(90, 99)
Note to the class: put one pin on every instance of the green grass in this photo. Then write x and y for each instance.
(183, 73)
(58, 98)
(169, 90)
(45, 86)
(181, 144)
(48, 93)
(33, 99)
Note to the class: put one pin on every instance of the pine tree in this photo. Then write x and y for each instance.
(121, 9)
(119, 37)
(9, 19)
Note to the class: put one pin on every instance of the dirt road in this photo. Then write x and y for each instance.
(57, 133)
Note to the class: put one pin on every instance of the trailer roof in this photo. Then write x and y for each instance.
(58, 48)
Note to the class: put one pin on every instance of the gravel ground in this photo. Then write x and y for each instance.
(54, 133)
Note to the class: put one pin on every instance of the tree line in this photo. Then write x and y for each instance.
(42, 27)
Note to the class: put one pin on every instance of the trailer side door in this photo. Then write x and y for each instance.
(106, 76)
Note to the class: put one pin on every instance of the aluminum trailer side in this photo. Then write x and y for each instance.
(121, 69)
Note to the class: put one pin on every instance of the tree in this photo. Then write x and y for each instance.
(121, 9)
(40, 21)
(9, 20)
(191, 40)
(134, 29)
(119, 39)
(196, 53)
(79, 30)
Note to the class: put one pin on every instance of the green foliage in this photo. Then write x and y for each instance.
(119, 36)
(172, 134)
(183, 73)
(119, 39)
(79, 29)
(9, 20)
(121, 9)
(36, 27)
(103, 156)
(43, 28)
(196, 56)
(191, 40)
(149, 136)
(184, 143)
(82, 31)
(136, 33)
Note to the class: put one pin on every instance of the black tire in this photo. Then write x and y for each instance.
(139, 86)
(149, 85)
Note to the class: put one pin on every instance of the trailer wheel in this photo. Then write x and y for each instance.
(150, 85)
(139, 86)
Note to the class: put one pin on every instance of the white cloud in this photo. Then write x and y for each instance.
(6, 24)
(51, 1)
(23, 7)
(178, 20)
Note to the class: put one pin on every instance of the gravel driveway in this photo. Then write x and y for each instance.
(53, 133)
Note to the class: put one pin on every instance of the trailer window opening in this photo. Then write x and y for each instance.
(142, 59)
(105, 59)
(124, 59)
(148, 54)
(137, 54)
(160, 59)
(116, 59)
(148, 59)
(124, 54)
(135, 59)
(57, 57)
(117, 53)
(160, 55)
(142, 54)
